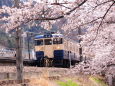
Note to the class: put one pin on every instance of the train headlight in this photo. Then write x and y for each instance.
(58, 47)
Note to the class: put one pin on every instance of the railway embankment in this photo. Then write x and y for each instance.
(47, 76)
(9, 72)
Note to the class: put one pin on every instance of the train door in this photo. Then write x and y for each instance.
(48, 48)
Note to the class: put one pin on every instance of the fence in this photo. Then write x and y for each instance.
(7, 53)
(12, 54)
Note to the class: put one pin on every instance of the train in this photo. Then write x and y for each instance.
(56, 50)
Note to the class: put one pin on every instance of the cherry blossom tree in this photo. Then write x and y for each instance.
(98, 39)
(95, 19)
(22, 14)
(29, 12)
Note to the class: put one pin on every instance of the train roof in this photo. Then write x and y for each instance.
(48, 36)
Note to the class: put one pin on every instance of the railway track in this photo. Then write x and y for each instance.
(9, 60)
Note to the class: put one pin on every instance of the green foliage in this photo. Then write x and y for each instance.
(68, 83)
(98, 81)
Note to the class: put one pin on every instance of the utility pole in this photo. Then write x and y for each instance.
(28, 45)
(69, 52)
(80, 49)
(69, 59)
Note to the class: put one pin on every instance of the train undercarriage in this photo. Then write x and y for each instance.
(49, 62)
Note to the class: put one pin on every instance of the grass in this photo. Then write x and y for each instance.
(98, 81)
(44, 79)
(78, 80)
(82, 80)
(68, 83)
(47, 77)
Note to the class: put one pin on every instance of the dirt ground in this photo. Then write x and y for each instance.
(54, 76)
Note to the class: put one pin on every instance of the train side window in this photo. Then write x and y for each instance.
(48, 42)
(39, 42)
(57, 41)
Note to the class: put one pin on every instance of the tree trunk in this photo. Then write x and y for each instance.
(111, 80)
(16, 3)
(19, 58)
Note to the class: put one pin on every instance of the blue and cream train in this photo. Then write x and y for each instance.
(56, 50)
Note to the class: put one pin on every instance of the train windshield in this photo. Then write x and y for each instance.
(57, 41)
(39, 42)
(48, 41)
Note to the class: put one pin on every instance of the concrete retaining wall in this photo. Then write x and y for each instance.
(33, 74)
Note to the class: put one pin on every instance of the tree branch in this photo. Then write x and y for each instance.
(101, 4)
(90, 21)
(97, 31)
(76, 7)
(53, 18)
(62, 16)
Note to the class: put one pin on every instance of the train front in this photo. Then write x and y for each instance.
(49, 49)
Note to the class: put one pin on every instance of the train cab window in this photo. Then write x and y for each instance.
(57, 41)
(48, 41)
(39, 42)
